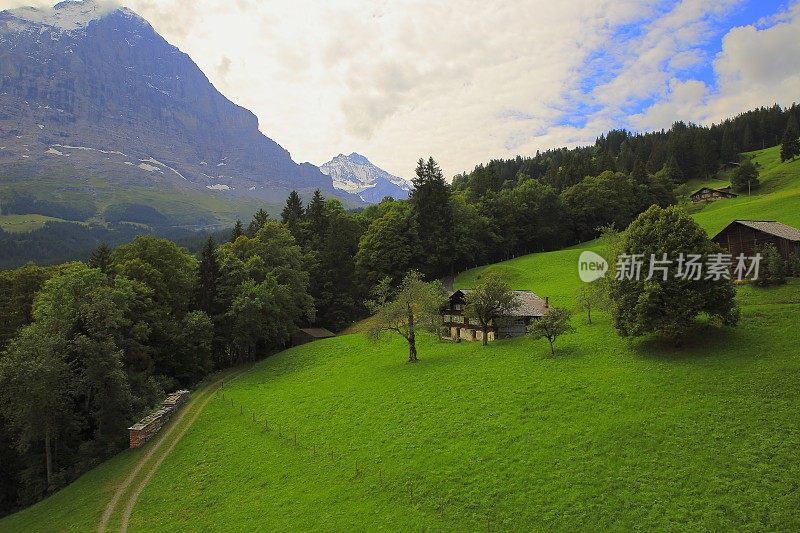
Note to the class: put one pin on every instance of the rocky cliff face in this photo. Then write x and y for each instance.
(102, 89)
(355, 174)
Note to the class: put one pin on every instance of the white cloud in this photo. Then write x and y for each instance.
(755, 67)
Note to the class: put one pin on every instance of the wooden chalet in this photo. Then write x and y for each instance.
(306, 335)
(710, 194)
(742, 237)
(515, 323)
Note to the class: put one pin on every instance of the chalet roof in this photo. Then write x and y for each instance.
(723, 190)
(318, 333)
(530, 304)
(773, 228)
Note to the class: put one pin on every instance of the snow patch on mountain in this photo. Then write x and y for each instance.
(356, 174)
(69, 16)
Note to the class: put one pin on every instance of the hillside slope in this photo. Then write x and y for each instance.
(610, 434)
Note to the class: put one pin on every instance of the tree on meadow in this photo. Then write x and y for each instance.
(430, 203)
(790, 142)
(667, 302)
(489, 300)
(413, 306)
(551, 326)
(745, 177)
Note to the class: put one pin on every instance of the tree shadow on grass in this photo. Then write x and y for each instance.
(703, 341)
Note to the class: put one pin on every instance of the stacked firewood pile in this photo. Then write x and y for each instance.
(148, 426)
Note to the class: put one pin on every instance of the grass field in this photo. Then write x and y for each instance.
(24, 223)
(609, 434)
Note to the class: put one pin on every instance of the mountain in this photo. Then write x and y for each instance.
(92, 93)
(355, 174)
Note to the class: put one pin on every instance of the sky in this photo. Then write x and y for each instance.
(466, 81)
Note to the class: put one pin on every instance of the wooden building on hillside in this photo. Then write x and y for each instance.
(148, 426)
(742, 237)
(710, 194)
(514, 324)
(306, 335)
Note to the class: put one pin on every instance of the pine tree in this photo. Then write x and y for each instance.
(238, 231)
(790, 143)
(639, 173)
(259, 219)
(101, 258)
(207, 280)
(292, 214)
(728, 151)
(430, 201)
(315, 216)
(673, 171)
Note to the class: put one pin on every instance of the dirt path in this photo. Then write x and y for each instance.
(161, 448)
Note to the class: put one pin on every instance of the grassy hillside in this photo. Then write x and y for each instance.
(609, 434)
(777, 199)
(75, 189)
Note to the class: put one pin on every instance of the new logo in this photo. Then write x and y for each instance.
(591, 266)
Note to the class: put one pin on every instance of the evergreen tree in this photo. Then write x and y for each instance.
(316, 219)
(292, 214)
(238, 230)
(639, 173)
(673, 171)
(101, 258)
(259, 219)
(790, 143)
(430, 202)
(728, 151)
(208, 279)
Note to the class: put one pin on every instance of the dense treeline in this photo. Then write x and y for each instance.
(687, 151)
(87, 348)
(58, 242)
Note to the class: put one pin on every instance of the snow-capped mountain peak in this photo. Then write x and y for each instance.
(355, 174)
(69, 15)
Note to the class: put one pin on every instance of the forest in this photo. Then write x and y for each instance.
(88, 347)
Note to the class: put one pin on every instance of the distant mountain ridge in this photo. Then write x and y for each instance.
(355, 174)
(95, 88)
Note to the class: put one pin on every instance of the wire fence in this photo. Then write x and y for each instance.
(356, 469)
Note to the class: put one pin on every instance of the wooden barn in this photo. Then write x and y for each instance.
(709, 194)
(742, 237)
(514, 324)
(148, 426)
(306, 335)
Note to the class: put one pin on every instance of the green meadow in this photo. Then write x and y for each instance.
(610, 434)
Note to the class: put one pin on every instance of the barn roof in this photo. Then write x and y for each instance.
(773, 228)
(723, 190)
(318, 333)
(530, 303)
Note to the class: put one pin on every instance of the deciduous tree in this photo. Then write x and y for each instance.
(411, 307)
(489, 300)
